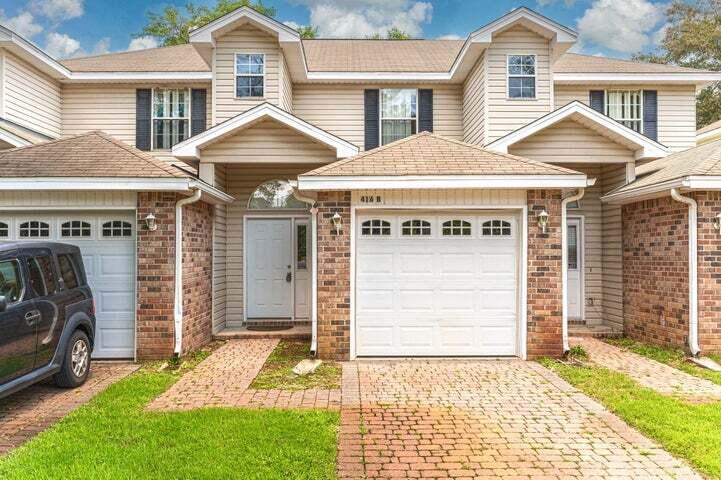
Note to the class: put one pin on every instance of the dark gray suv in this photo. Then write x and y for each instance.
(47, 318)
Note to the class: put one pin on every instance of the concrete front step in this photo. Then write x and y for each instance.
(593, 331)
(300, 332)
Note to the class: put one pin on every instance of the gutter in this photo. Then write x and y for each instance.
(564, 266)
(692, 270)
(178, 310)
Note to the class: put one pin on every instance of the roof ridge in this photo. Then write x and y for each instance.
(128, 52)
(47, 142)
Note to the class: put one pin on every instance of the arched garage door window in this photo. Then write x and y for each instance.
(273, 195)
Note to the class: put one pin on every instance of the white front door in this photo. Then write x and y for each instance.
(435, 284)
(270, 269)
(575, 268)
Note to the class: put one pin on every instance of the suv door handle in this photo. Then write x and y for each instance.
(32, 317)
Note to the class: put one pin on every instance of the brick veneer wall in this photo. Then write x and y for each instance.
(655, 271)
(156, 275)
(545, 337)
(197, 275)
(709, 272)
(333, 277)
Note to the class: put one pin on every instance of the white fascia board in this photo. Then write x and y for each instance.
(211, 193)
(563, 34)
(205, 33)
(190, 149)
(630, 78)
(33, 55)
(703, 182)
(13, 139)
(413, 182)
(99, 77)
(644, 193)
(647, 148)
(710, 135)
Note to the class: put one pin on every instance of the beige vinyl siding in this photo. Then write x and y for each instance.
(266, 142)
(242, 180)
(506, 115)
(338, 109)
(676, 109)
(219, 253)
(613, 176)
(569, 141)
(474, 104)
(31, 98)
(286, 86)
(244, 39)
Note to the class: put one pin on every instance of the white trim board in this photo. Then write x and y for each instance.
(319, 182)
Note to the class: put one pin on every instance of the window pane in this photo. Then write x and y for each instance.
(75, 228)
(168, 133)
(4, 230)
(398, 103)
(376, 228)
(302, 246)
(67, 271)
(416, 228)
(117, 228)
(572, 247)
(11, 285)
(275, 194)
(34, 229)
(42, 275)
(393, 130)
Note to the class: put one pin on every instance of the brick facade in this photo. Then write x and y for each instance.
(709, 272)
(545, 296)
(156, 275)
(333, 277)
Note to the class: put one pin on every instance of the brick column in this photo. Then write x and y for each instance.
(333, 277)
(544, 276)
(709, 272)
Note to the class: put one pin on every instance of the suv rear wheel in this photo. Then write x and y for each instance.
(76, 362)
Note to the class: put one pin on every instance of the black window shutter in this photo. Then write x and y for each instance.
(143, 107)
(425, 110)
(198, 111)
(597, 100)
(372, 115)
(650, 114)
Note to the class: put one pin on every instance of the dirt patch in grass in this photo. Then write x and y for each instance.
(277, 373)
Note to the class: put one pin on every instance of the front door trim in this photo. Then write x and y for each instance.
(581, 240)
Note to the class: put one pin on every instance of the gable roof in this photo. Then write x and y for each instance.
(427, 160)
(178, 58)
(577, 63)
(709, 133)
(190, 148)
(695, 168)
(643, 146)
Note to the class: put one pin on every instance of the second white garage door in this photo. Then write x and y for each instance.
(432, 284)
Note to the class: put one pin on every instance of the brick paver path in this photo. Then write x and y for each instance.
(484, 419)
(649, 373)
(222, 380)
(30, 411)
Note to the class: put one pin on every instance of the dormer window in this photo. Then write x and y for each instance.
(249, 75)
(522, 76)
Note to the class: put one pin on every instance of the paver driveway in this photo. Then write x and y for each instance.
(484, 419)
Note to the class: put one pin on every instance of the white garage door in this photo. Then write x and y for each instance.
(107, 243)
(437, 284)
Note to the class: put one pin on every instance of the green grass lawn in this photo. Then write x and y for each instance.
(689, 431)
(112, 437)
(277, 373)
(670, 356)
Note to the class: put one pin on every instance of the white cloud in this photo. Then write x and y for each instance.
(450, 36)
(660, 34)
(292, 24)
(60, 45)
(545, 3)
(141, 43)
(23, 24)
(102, 46)
(58, 10)
(622, 25)
(353, 18)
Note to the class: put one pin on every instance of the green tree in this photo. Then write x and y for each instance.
(693, 39)
(392, 34)
(173, 27)
(307, 31)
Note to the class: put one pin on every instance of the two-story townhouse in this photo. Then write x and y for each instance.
(420, 197)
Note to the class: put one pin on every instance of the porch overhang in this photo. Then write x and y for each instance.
(663, 189)
(643, 147)
(191, 149)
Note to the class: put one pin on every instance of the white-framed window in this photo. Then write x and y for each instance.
(398, 113)
(376, 228)
(626, 107)
(75, 229)
(34, 229)
(456, 228)
(117, 228)
(171, 117)
(496, 228)
(416, 228)
(249, 75)
(4, 230)
(521, 76)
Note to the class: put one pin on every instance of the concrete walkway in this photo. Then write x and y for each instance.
(649, 373)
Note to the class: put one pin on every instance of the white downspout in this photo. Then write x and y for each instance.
(313, 269)
(564, 267)
(692, 270)
(178, 310)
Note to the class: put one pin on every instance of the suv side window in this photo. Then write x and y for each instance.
(11, 283)
(68, 271)
(42, 275)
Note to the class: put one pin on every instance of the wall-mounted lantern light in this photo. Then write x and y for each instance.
(543, 220)
(150, 222)
(717, 222)
(337, 222)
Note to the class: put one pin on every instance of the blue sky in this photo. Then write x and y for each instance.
(67, 28)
